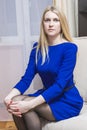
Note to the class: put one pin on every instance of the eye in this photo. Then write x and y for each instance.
(47, 20)
(56, 20)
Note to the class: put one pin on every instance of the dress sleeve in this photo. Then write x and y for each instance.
(64, 75)
(30, 72)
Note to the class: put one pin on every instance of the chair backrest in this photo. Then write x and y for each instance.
(80, 72)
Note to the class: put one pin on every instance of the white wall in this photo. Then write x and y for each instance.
(11, 68)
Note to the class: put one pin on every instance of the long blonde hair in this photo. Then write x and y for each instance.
(43, 41)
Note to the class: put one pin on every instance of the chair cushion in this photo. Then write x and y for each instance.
(80, 73)
(74, 123)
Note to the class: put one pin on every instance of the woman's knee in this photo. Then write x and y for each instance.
(18, 98)
(27, 98)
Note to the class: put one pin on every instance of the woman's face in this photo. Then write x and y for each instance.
(51, 24)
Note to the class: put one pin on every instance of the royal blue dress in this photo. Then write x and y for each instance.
(57, 75)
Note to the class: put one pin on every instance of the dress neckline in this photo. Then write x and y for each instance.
(58, 44)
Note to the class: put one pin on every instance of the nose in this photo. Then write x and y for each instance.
(51, 23)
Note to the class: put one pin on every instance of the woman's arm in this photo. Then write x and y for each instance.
(64, 75)
(37, 101)
(29, 74)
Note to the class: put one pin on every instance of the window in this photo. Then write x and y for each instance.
(11, 22)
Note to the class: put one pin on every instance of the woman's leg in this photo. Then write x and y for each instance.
(19, 121)
(28, 120)
(32, 120)
(45, 112)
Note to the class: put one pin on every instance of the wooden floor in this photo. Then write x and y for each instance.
(7, 125)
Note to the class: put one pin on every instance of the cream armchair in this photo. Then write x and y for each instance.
(80, 76)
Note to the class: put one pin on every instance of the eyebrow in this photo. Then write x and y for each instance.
(52, 18)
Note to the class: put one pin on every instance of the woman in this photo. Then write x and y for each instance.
(54, 59)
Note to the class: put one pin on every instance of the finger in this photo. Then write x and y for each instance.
(15, 109)
(13, 106)
(17, 113)
(14, 103)
(9, 103)
(10, 111)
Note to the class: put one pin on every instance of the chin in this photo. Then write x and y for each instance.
(51, 35)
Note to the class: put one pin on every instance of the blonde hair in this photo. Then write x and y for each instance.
(43, 42)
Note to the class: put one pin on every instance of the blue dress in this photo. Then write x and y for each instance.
(57, 75)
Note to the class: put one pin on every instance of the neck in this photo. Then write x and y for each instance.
(55, 40)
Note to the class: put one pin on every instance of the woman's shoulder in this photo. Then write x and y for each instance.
(33, 49)
(70, 45)
(35, 44)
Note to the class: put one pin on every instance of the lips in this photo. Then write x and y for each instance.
(50, 29)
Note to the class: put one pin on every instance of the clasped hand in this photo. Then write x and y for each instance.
(19, 107)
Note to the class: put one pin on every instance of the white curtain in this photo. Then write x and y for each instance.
(70, 7)
(36, 9)
(8, 25)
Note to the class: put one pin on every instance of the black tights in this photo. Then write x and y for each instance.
(31, 119)
(19, 122)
